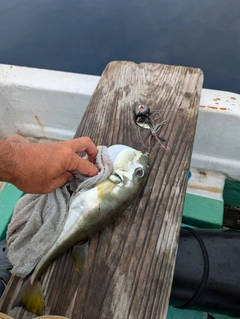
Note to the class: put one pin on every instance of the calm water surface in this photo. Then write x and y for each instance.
(84, 35)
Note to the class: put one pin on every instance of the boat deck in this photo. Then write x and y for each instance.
(35, 106)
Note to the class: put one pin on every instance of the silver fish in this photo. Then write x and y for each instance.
(89, 212)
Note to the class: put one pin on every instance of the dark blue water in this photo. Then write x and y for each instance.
(84, 35)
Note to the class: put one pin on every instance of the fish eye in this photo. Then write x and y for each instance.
(139, 172)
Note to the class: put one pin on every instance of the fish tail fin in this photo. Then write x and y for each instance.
(30, 297)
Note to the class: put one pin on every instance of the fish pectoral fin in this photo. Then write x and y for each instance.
(80, 256)
(105, 187)
(30, 297)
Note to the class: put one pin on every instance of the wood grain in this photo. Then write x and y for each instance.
(131, 262)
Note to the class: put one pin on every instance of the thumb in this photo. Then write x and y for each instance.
(62, 179)
(84, 166)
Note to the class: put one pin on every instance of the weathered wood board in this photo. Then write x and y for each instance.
(131, 262)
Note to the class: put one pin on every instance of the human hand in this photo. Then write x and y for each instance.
(42, 167)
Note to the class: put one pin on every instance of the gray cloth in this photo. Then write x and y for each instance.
(38, 220)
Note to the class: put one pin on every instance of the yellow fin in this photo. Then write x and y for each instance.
(80, 255)
(31, 298)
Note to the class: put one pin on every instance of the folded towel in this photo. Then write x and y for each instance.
(38, 220)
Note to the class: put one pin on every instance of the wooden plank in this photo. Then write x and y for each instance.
(131, 262)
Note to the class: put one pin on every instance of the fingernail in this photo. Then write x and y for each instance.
(71, 178)
(94, 170)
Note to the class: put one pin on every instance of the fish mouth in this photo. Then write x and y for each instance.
(118, 176)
